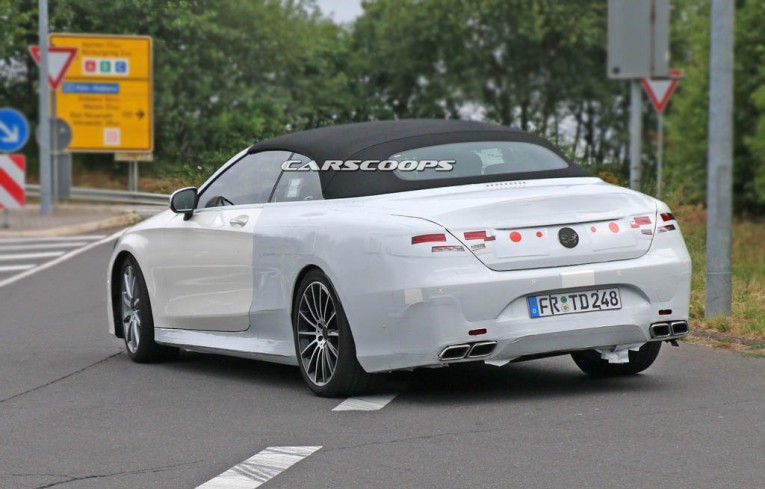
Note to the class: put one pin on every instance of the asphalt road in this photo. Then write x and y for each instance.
(75, 412)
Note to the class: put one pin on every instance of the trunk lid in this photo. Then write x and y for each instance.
(542, 223)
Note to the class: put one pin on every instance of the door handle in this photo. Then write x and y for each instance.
(238, 221)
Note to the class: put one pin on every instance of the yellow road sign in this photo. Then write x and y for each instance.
(106, 95)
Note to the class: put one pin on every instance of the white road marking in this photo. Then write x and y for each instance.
(365, 403)
(32, 256)
(87, 237)
(45, 246)
(60, 259)
(260, 468)
(17, 268)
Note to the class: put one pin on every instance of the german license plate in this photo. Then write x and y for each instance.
(574, 302)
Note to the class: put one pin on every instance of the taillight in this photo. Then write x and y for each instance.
(428, 238)
(476, 235)
(471, 235)
(667, 216)
(643, 220)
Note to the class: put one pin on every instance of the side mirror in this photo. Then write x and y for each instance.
(184, 201)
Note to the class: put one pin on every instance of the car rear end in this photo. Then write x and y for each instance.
(505, 272)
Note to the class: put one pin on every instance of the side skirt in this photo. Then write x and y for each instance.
(237, 344)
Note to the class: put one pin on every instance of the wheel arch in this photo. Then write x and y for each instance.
(298, 279)
(114, 277)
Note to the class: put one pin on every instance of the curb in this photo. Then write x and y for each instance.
(726, 338)
(81, 228)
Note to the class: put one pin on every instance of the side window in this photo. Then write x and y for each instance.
(248, 181)
(295, 186)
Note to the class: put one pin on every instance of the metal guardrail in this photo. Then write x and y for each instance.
(108, 195)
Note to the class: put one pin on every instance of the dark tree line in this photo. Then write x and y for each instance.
(228, 72)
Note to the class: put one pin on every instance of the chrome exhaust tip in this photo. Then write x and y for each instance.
(482, 349)
(660, 330)
(454, 352)
(679, 328)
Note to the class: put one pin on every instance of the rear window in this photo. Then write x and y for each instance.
(478, 158)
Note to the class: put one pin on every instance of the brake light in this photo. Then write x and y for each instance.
(428, 238)
(667, 216)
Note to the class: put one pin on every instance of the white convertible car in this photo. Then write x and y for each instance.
(380, 246)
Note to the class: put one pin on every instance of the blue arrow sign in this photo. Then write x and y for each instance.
(14, 130)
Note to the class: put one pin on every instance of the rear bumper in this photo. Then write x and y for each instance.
(412, 325)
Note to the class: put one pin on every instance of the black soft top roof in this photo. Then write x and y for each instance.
(380, 140)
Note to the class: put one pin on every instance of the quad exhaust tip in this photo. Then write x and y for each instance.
(665, 330)
(482, 349)
(679, 328)
(454, 352)
(467, 350)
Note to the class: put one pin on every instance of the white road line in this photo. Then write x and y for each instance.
(260, 468)
(32, 256)
(46, 246)
(17, 268)
(86, 237)
(60, 259)
(365, 403)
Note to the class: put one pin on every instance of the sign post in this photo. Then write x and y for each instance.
(659, 92)
(45, 177)
(59, 61)
(638, 47)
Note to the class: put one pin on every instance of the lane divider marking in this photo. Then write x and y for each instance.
(45, 246)
(60, 259)
(260, 468)
(32, 256)
(365, 403)
(17, 268)
(60, 238)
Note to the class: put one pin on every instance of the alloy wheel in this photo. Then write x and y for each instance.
(131, 311)
(318, 333)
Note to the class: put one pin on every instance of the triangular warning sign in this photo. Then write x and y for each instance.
(659, 91)
(59, 59)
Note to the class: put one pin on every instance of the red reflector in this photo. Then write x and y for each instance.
(642, 220)
(613, 227)
(428, 238)
(665, 312)
(539, 234)
(476, 332)
(515, 236)
(470, 235)
(667, 216)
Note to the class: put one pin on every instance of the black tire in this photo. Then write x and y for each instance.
(592, 364)
(135, 306)
(316, 341)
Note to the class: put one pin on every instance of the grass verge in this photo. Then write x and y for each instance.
(748, 272)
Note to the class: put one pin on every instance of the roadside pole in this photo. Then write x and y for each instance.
(46, 181)
(636, 133)
(720, 161)
(659, 153)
